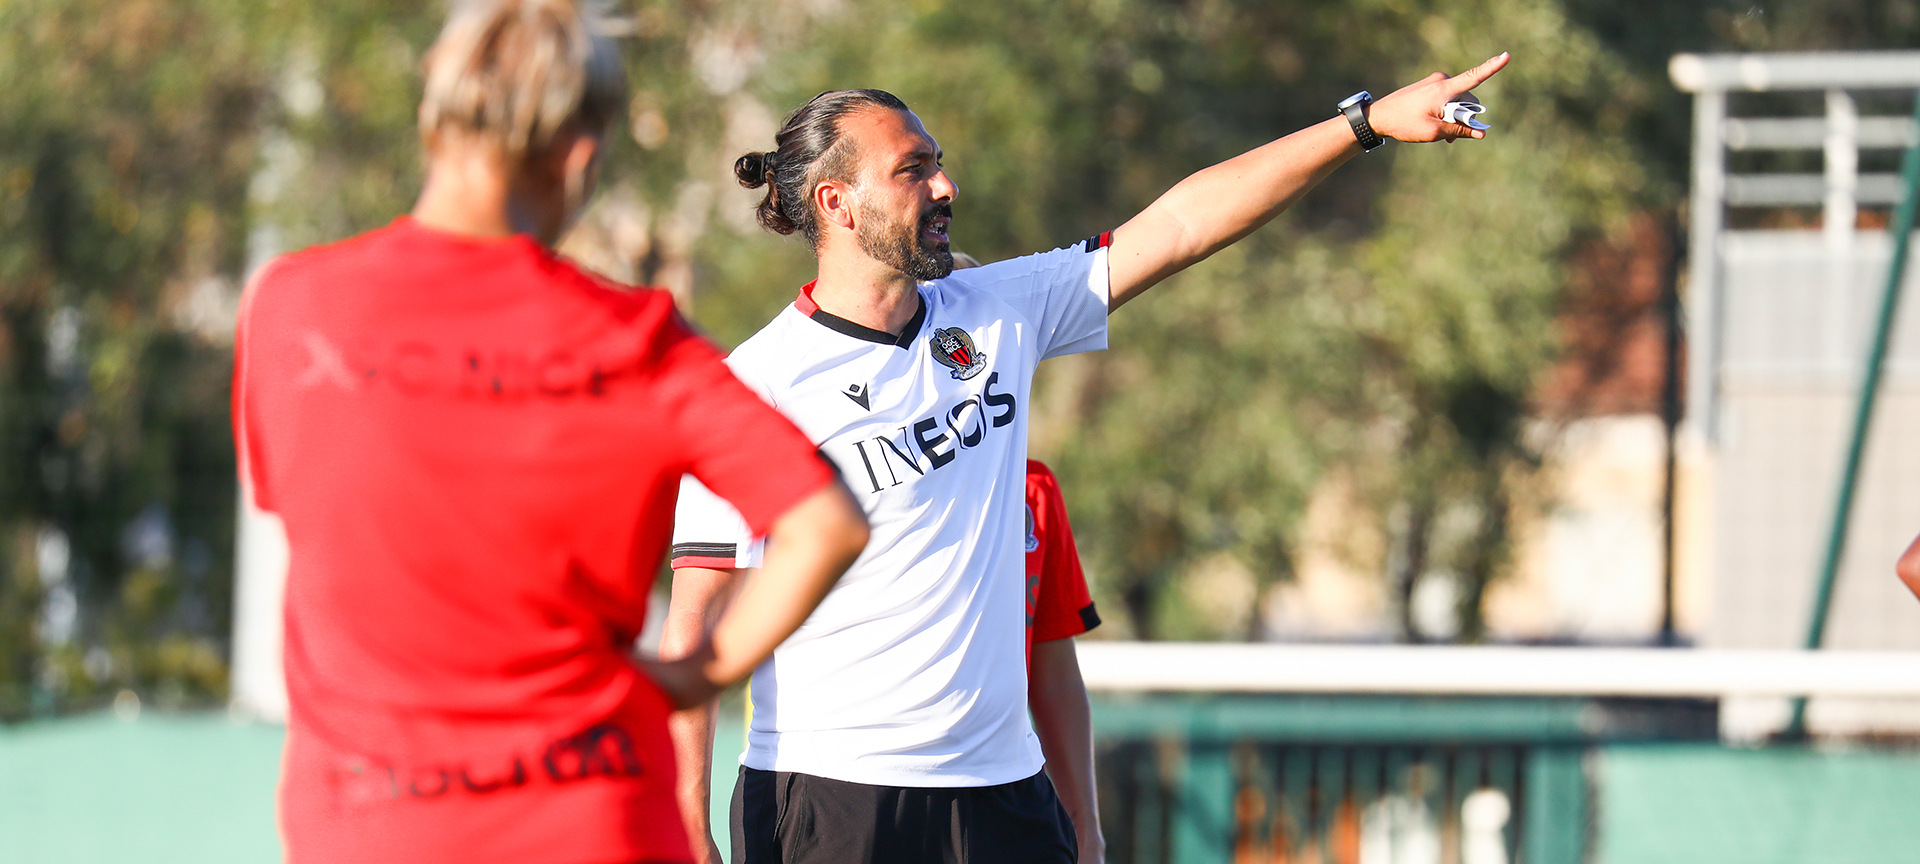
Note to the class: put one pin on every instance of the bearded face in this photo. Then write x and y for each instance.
(904, 244)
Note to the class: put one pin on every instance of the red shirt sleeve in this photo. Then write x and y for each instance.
(246, 434)
(1062, 606)
(736, 445)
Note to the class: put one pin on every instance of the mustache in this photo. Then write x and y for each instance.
(935, 212)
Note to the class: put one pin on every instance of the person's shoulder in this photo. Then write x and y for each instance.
(767, 358)
(623, 302)
(639, 320)
(1042, 485)
(1026, 272)
(321, 257)
(296, 276)
(765, 343)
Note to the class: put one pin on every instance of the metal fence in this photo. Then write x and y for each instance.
(1362, 779)
(1208, 754)
(1323, 803)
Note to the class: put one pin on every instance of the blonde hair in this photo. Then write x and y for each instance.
(521, 73)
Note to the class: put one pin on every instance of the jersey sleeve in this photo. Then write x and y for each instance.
(708, 532)
(248, 441)
(1064, 292)
(736, 445)
(1064, 606)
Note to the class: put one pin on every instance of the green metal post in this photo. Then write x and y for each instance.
(1148, 838)
(1203, 818)
(1555, 806)
(1332, 793)
(1297, 798)
(1863, 415)
(1503, 772)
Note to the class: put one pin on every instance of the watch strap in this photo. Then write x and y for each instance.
(1356, 111)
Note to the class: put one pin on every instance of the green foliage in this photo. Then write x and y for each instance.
(122, 191)
(1465, 270)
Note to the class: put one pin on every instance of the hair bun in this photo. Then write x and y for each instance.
(753, 169)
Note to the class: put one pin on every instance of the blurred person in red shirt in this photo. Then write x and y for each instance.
(1059, 607)
(474, 446)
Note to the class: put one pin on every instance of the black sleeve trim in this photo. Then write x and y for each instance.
(709, 550)
(834, 466)
(1098, 241)
(1089, 618)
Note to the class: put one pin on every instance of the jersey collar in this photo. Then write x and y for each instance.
(833, 322)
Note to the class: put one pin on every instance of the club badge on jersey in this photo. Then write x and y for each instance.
(954, 349)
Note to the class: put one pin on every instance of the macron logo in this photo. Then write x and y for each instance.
(860, 394)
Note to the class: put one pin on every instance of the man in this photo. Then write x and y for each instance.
(474, 447)
(893, 726)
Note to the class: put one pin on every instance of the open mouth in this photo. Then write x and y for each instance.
(934, 227)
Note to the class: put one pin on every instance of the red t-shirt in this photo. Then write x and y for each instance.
(1058, 604)
(475, 447)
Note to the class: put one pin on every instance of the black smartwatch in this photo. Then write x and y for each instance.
(1355, 107)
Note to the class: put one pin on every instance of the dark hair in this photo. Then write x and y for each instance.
(809, 150)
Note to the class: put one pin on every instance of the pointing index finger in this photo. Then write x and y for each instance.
(1473, 77)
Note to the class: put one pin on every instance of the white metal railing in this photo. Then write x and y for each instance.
(1495, 671)
(1841, 134)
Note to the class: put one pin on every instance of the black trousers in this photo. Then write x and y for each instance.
(786, 818)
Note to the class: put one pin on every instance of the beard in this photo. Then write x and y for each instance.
(898, 244)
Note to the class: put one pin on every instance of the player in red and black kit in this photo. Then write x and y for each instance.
(474, 447)
(1059, 607)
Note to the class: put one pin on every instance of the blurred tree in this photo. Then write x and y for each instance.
(123, 184)
(1465, 269)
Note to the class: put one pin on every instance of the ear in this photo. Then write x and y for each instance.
(833, 200)
(580, 159)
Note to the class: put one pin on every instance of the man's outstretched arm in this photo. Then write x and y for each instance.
(1219, 205)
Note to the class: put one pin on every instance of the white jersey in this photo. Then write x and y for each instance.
(913, 670)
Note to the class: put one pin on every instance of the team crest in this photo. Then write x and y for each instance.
(1033, 542)
(954, 349)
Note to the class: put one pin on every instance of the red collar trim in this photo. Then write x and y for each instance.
(804, 302)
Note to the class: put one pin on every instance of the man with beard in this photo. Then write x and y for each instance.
(893, 726)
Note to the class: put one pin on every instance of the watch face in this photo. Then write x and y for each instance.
(1355, 99)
